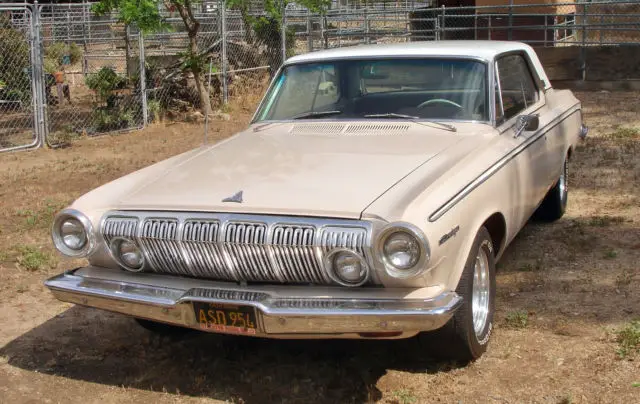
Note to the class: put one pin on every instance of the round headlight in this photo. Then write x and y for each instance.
(127, 253)
(73, 233)
(347, 268)
(402, 250)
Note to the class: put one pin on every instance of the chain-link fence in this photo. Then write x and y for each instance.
(18, 113)
(91, 73)
(65, 71)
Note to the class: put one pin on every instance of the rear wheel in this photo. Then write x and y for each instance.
(466, 336)
(555, 202)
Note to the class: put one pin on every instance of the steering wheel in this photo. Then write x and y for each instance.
(439, 101)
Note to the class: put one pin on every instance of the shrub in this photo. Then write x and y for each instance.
(33, 259)
(54, 55)
(628, 339)
(15, 62)
(517, 319)
(105, 82)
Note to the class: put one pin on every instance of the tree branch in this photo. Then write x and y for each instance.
(196, 23)
(184, 16)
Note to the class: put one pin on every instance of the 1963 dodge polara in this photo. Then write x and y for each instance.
(370, 197)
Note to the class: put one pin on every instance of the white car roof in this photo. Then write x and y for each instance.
(485, 50)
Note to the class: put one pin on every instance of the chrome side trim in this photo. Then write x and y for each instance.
(479, 180)
(277, 315)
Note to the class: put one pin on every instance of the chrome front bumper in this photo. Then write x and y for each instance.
(278, 316)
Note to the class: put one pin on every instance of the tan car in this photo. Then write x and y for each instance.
(370, 197)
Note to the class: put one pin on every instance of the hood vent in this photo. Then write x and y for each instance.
(376, 129)
(317, 128)
(355, 129)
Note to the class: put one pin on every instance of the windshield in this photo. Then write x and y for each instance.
(427, 88)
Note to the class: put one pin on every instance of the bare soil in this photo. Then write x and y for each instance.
(564, 290)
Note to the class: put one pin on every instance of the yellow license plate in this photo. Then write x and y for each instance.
(226, 318)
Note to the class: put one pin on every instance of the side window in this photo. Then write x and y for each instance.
(516, 84)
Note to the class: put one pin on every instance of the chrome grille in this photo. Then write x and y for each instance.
(238, 247)
(119, 227)
(158, 239)
(200, 241)
(352, 239)
(294, 253)
(245, 244)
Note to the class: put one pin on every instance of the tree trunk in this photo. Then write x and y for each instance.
(246, 22)
(192, 25)
(205, 101)
(127, 50)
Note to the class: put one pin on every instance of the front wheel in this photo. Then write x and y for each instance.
(554, 204)
(466, 336)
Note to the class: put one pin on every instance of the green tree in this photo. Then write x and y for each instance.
(268, 28)
(15, 82)
(146, 16)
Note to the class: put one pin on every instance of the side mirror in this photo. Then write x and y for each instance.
(526, 123)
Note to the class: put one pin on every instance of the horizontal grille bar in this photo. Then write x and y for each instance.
(240, 248)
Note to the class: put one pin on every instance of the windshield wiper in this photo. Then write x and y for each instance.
(313, 114)
(441, 125)
(391, 115)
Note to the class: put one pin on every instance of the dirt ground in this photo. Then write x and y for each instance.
(565, 290)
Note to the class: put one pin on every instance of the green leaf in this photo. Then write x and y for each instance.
(143, 13)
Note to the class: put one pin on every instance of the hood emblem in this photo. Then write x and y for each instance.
(237, 197)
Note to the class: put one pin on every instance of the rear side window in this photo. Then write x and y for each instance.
(517, 86)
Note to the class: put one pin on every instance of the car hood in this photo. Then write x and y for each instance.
(279, 172)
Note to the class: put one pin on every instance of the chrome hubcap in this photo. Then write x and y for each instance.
(480, 294)
(562, 183)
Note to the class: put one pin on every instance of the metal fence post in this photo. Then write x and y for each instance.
(510, 28)
(206, 118)
(41, 126)
(325, 39)
(284, 33)
(475, 25)
(309, 32)
(143, 81)
(86, 27)
(583, 49)
(443, 25)
(223, 24)
(366, 27)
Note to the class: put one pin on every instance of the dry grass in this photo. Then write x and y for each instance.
(567, 298)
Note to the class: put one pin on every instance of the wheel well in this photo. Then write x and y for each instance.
(497, 227)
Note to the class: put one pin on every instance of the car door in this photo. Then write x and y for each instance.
(520, 94)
